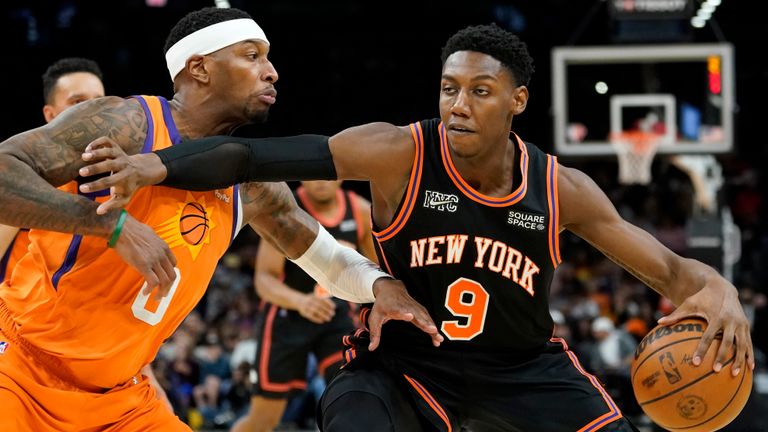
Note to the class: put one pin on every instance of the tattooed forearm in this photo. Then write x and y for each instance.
(272, 211)
(32, 162)
(28, 201)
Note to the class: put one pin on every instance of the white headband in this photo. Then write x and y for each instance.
(210, 39)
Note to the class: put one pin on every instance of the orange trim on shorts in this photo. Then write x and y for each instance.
(335, 220)
(553, 203)
(411, 189)
(350, 355)
(613, 413)
(469, 191)
(430, 400)
(266, 343)
(329, 361)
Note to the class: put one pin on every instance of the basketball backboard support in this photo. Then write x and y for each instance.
(684, 93)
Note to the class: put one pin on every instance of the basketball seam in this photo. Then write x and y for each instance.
(736, 392)
(687, 385)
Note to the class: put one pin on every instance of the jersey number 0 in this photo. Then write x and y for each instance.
(468, 299)
(139, 306)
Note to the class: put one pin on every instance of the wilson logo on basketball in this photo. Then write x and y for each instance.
(661, 332)
(190, 227)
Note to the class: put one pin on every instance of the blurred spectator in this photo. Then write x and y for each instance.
(561, 327)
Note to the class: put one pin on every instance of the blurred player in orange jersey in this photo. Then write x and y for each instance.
(299, 317)
(96, 295)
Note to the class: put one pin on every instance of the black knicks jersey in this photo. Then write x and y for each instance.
(481, 265)
(346, 227)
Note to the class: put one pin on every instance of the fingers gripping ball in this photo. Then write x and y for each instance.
(194, 223)
(679, 396)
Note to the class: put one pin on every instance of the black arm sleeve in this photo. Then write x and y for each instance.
(221, 161)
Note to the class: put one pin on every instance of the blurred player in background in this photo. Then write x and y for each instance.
(299, 316)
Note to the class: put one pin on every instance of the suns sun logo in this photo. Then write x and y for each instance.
(191, 225)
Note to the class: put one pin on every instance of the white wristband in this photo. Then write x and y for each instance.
(339, 269)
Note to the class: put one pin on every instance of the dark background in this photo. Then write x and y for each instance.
(342, 63)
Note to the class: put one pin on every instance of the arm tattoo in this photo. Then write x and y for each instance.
(272, 211)
(31, 163)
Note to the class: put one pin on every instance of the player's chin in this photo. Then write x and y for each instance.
(464, 145)
(257, 114)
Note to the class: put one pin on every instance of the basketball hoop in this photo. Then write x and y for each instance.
(635, 151)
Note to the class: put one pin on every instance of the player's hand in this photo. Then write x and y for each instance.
(394, 303)
(718, 304)
(128, 173)
(319, 310)
(141, 248)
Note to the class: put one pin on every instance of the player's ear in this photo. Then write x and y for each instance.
(197, 67)
(519, 100)
(48, 113)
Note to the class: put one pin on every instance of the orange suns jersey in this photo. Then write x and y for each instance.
(73, 298)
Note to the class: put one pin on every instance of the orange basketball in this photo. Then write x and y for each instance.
(679, 396)
(193, 223)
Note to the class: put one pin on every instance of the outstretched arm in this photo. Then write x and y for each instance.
(34, 162)
(378, 152)
(696, 288)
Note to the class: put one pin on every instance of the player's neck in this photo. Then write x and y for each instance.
(197, 120)
(488, 173)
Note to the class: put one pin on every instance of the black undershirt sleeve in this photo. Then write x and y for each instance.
(221, 161)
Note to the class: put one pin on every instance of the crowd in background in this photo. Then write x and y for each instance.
(207, 367)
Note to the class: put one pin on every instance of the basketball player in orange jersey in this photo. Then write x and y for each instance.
(94, 298)
(300, 318)
(469, 216)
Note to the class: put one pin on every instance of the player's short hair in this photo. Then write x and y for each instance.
(67, 66)
(201, 19)
(496, 42)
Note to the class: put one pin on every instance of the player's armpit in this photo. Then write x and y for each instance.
(33, 162)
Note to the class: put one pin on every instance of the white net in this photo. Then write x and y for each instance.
(635, 151)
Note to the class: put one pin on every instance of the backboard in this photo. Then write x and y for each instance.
(683, 93)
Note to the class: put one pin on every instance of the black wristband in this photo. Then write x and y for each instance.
(221, 161)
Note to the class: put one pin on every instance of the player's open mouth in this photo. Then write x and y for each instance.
(459, 129)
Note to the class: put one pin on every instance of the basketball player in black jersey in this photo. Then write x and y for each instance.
(468, 216)
(299, 316)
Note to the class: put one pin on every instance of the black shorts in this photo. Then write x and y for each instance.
(285, 341)
(432, 390)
